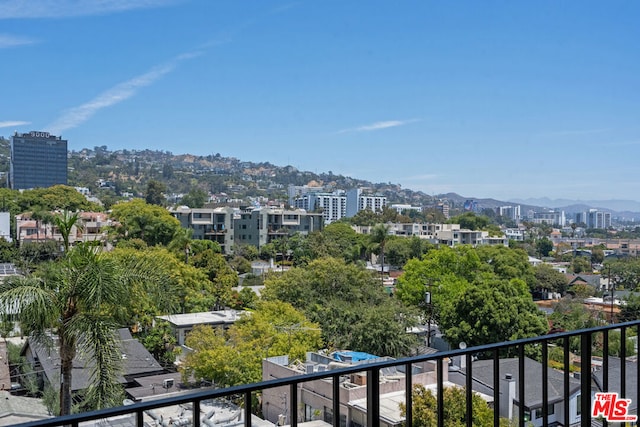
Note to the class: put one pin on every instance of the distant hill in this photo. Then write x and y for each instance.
(130, 170)
(581, 205)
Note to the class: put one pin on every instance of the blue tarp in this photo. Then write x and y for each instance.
(353, 356)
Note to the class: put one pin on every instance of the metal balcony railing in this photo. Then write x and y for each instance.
(622, 374)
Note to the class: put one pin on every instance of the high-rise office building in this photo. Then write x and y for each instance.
(38, 160)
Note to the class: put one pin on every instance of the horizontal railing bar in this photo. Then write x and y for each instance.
(241, 390)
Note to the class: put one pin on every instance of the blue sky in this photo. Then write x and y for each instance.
(486, 99)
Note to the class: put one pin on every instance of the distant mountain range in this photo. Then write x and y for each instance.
(579, 205)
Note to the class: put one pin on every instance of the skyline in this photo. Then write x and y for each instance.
(492, 100)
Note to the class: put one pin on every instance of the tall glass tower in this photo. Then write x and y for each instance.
(38, 160)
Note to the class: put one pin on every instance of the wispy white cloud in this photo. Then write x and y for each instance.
(121, 92)
(71, 8)
(9, 124)
(379, 125)
(7, 40)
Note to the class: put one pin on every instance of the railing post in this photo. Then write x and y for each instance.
(521, 406)
(545, 384)
(336, 401)
(247, 409)
(623, 362)
(373, 397)
(585, 379)
(496, 387)
(293, 405)
(196, 412)
(408, 394)
(469, 391)
(567, 372)
(440, 394)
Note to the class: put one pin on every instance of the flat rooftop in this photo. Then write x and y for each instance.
(203, 318)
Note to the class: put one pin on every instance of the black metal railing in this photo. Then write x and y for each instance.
(584, 339)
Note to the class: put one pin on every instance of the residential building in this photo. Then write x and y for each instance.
(598, 219)
(295, 191)
(183, 323)
(358, 201)
(315, 397)
(91, 226)
(510, 401)
(510, 212)
(441, 234)
(400, 208)
(516, 234)
(216, 224)
(332, 205)
(5, 226)
(16, 409)
(547, 217)
(38, 160)
(260, 226)
(45, 360)
(444, 207)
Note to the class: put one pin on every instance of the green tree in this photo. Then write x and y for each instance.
(337, 239)
(196, 198)
(544, 246)
(379, 238)
(78, 306)
(581, 264)
(470, 221)
(366, 217)
(548, 278)
(150, 223)
(339, 297)
(57, 197)
(161, 343)
(492, 310)
(274, 328)
(181, 242)
(65, 223)
(221, 277)
(425, 408)
(630, 310)
(155, 193)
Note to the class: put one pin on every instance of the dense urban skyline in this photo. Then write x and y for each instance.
(492, 100)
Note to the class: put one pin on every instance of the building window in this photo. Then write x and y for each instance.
(551, 409)
(578, 405)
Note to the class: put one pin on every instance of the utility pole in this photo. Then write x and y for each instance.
(429, 305)
(612, 288)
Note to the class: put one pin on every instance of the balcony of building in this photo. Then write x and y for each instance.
(517, 379)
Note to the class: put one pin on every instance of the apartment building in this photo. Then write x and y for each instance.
(547, 217)
(260, 226)
(511, 212)
(215, 224)
(441, 234)
(332, 205)
(91, 226)
(337, 204)
(358, 201)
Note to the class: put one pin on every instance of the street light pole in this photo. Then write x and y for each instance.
(612, 288)
(427, 301)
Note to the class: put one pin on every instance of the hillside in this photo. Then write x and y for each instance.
(109, 174)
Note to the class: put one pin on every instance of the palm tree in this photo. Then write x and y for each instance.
(65, 223)
(182, 242)
(77, 303)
